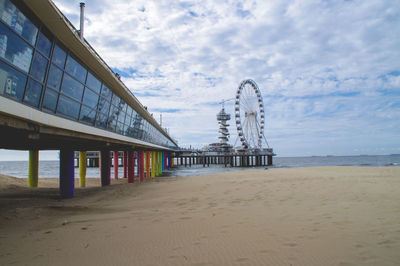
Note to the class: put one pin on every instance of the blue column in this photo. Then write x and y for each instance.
(163, 161)
(169, 160)
(67, 177)
(105, 161)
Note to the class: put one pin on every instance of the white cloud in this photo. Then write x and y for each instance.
(328, 70)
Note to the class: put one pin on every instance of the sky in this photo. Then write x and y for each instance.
(328, 71)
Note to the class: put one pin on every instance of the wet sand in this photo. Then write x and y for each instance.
(297, 216)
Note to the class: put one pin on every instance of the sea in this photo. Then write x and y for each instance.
(51, 168)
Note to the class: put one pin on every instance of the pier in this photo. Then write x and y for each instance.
(57, 93)
(233, 159)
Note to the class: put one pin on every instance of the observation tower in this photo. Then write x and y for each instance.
(223, 118)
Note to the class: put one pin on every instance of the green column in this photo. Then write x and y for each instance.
(82, 168)
(33, 168)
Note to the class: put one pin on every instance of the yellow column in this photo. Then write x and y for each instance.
(33, 174)
(82, 168)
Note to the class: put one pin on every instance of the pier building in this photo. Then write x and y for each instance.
(57, 93)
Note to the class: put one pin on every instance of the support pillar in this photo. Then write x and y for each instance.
(162, 161)
(137, 163)
(82, 168)
(115, 158)
(269, 159)
(169, 160)
(131, 166)
(159, 163)
(125, 163)
(105, 161)
(153, 164)
(67, 178)
(148, 164)
(33, 176)
(141, 165)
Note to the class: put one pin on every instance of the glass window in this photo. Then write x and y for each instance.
(121, 117)
(101, 120)
(11, 15)
(93, 83)
(76, 69)
(59, 56)
(72, 88)
(12, 82)
(128, 111)
(43, 44)
(55, 76)
(120, 128)
(90, 98)
(115, 99)
(39, 66)
(50, 100)
(33, 93)
(14, 49)
(106, 92)
(68, 107)
(87, 115)
(103, 106)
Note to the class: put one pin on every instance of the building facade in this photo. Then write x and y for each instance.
(46, 66)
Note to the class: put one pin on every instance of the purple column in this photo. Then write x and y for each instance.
(105, 161)
(67, 177)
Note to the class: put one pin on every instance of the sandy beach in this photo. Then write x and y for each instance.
(297, 216)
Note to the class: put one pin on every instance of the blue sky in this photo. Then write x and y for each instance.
(329, 71)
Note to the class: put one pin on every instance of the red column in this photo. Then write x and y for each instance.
(141, 166)
(115, 157)
(147, 164)
(165, 160)
(131, 166)
(125, 163)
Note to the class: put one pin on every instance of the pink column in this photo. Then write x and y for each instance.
(141, 166)
(125, 164)
(115, 157)
(147, 164)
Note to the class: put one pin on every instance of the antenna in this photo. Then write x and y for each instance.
(223, 102)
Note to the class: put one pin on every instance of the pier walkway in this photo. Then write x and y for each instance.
(56, 93)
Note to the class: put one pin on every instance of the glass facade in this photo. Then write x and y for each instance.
(37, 70)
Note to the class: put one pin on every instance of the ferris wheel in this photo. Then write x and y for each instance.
(249, 115)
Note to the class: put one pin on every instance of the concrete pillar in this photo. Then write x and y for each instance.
(141, 165)
(131, 166)
(162, 161)
(269, 159)
(125, 163)
(137, 163)
(115, 158)
(148, 164)
(169, 160)
(105, 167)
(67, 178)
(159, 163)
(153, 164)
(33, 174)
(82, 168)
